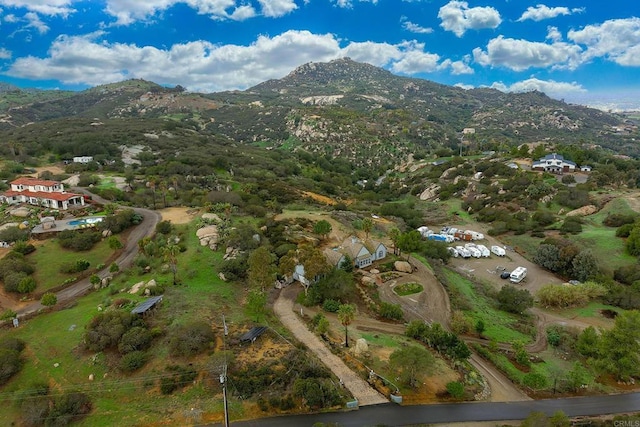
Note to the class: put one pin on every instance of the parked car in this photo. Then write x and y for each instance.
(505, 274)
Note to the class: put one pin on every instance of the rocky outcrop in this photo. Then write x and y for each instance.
(430, 192)
(583, 211)
(208, 236)
(403, 267)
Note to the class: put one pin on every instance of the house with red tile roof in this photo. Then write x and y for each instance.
(40, 192)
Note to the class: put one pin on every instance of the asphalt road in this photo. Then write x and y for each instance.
(393, 415)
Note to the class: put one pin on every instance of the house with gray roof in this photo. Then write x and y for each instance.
(554, 163)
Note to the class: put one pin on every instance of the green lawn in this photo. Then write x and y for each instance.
(499, 324)
(49, 256)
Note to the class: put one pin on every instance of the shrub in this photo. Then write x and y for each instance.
(49, 299)
(78, 241)
(391, 311)
(191, 339)
(12, 281)
(179, 376)
(331, 305)
(26, 285)
(105, 330)
(135, 340)
(68, 408)
(133, 361)
(23, 247)
(10, 364)
(455, 389)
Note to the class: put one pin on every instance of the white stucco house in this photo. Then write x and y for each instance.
(554, 163)
(40, 192)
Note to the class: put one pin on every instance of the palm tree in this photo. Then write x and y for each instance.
(346, 313)
(170, 253)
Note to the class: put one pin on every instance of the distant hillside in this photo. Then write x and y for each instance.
(342, 108)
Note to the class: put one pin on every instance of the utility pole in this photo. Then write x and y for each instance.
(223, 376)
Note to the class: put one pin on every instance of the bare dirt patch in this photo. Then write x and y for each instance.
(179, 215)
(56, 170)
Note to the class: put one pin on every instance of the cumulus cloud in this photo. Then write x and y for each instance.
(414, 28)
(520, 55)
(617, 40)
(553, 34)
(204, 66)
(43, 7)
(550, 87)
(541, 12)
(458, 17)
(127, 12)
(276, 8)
(5, 53)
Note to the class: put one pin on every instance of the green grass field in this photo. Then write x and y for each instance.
(499, 324)
(49, 256)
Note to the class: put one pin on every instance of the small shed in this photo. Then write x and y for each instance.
(145, 306)
(253, 334)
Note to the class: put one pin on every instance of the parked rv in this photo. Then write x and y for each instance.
(474, 235)
(518, 275)
(484, 250)
(463, 252)
(424, 231)
(498, 250)
(453, 252)
(461, 235)
(474, 252)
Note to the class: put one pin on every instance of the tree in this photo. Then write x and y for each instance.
(514, 300)
(367, 226)
(346, 314)
(480, 327)
(588, 342)
(255, 306)
(170, 253)
(633, 241)
(114, 243)
(261, 270)
(411, 362)
(620, 346)
(547, 256)
(49, 299)
(322, 228)
(584, 266)
(394, 235)
(312, 260)
(410, 242)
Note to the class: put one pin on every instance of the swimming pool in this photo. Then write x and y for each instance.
(86, 222)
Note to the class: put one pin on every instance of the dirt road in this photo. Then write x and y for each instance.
(359, 388)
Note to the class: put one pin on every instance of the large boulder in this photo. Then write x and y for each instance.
(403, 267)
(583, 211)
(362, 348)
(211, 217)
(208, 236)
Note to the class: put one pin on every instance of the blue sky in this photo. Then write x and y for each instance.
(584, 52)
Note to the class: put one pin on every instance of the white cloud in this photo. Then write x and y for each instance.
(35, 22)
(276, 8)
(464, 86)
(204, 66)
(616, 40)
(458, 17)
(43, 7)
(541, 12)
(348, 4)
(5, 53)
(11, 18)
(415, 61)
(520, 55)
(554, 34)
(550, 87)
(414, 28)
(127, 12)
(460, 67)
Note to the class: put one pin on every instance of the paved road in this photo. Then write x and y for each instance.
(358, 387)
(394, 415)
(146, 228)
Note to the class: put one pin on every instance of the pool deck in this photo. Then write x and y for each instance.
(61, 225)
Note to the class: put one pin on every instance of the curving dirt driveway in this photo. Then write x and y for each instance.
(146, 228)
(359, 388)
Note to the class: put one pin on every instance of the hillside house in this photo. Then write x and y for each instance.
(41, 192)
(83, 159)
(362, 253)
(553, 163)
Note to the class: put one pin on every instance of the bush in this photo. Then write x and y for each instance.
(133, 361)
(23, 247)
(191, 339)
(12, 281)
(49, 299)
(455, 389)
(68, 408)
(78, 241)
(74, 267)
(331, 305)
(10, 364)
(391, 311)
(106, 329)
(135, 339)
(179, 376)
